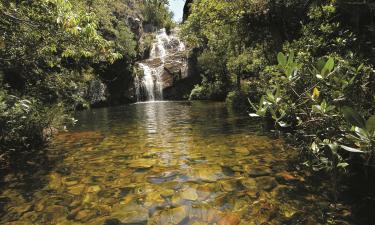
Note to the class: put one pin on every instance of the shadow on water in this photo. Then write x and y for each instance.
(26, 173)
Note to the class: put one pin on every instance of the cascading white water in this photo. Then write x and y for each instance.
(149, 87)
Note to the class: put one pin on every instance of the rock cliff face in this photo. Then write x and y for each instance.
(187, 7)
(168, 64)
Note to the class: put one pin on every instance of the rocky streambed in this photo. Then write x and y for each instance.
(163, 163)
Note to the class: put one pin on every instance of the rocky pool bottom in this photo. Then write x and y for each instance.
(167, 163)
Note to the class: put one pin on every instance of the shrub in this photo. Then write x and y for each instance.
(198, 93)
(23, 122)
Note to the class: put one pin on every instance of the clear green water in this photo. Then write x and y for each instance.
(161, 163)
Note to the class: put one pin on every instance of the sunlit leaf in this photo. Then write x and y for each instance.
(281, 59)
(350, 149)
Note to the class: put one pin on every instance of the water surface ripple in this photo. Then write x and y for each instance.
(161, 163)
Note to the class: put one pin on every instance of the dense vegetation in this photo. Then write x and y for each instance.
(305, 65)
(54, 52)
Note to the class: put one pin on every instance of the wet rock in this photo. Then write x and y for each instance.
(266, 183)
(189, 194)
(76, 189)
(130, 214)
(56, 211)
(209, 173)
(167, 193)
(85, 215)
(30, 216)
(55, 181)
(142, 163)
(248, 183)
(21, 209)
(40, 205)
(228, 185)
(204, 191)
(285, 177)
(257, 171)
(241, 150)
(229, 219)
(175, 215)
(263, 212)
(89, 198)
(164, 177)
(93, 189)
(205, 214)
(153, 199)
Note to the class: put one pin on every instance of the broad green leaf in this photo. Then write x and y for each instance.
(330, 64)
(370, 123)
(360, 67)
(328, 67)
(343, 165)
(281, 59)
(353, 117)
(362, 133)
(320, 64)
(350, 149)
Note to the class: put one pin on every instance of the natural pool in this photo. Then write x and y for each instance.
(162, 163)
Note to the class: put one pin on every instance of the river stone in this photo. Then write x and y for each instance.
(131, 214)
(174, 216)
(85, 215)
(189, 194)
(285, 177)
(248, 183)
(76, 189)
(93, 189)
(21, 209)
(167, 193)
(204, 192)
(241, 150)
(55, 181)
(40, 205)
(266, 183)
(227, 185)
(205, 214)
(153, 199)
(229, 219)
(257, 171)
(164, 177)
(142, 163)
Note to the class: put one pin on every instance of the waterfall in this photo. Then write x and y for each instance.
(149, 87)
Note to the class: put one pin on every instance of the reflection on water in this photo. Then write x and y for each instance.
(162, 163)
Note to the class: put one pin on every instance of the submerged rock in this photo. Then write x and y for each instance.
(85, 215)
(229, 219)
(164, 177)
(189, 194)
(55, 181)
(131, 214)
(257, 171)
(142, 163)
(266, 183)
(76, 189)
(174, 216)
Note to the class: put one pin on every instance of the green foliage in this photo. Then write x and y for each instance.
(307, 88)
(156, 13)
(50, 52)
(23, 122)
